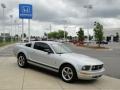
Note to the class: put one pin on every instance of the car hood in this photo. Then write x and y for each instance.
(80, 58)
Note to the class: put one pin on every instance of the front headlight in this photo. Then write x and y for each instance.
(86, 68)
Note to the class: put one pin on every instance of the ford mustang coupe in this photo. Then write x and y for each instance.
(58, 57)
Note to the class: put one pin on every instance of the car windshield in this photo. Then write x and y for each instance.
(61, 48)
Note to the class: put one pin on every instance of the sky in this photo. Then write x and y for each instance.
(58, 14)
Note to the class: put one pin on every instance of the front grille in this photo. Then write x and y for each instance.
(97, 67)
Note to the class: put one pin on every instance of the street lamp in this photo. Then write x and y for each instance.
(11, 16)
(88, 7)
(3, 6)
(15, 24)
(50, 28)
(18, 25)
(65, 26)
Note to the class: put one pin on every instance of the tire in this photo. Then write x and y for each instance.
(22, 61)
(68, 73)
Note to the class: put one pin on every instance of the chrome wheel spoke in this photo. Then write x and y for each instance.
(21, 61)
(69, 76)
(67, 73)
(64, 71)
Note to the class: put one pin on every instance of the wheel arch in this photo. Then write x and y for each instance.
(70, 65)
(21, 52)
(66, 63)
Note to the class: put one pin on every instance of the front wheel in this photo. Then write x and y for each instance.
(68, 73)
(22, 62)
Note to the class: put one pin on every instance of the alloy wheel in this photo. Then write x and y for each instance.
(67, 73)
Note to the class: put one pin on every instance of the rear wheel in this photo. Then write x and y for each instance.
(22, 62)
(68, 73)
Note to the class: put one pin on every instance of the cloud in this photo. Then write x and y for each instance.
(60, 12)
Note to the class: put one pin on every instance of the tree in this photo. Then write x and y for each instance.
(90, 37)
(98, 32)
(45, 34)
(24, 35)
(57, 35)
(61, 34)
(69, 37)
(117, 36)
(80, 34)
(16, 36)
(53, 35)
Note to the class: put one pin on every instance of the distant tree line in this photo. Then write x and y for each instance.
(98, 34)
(57, 34)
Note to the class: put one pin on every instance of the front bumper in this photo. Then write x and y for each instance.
(90, 75)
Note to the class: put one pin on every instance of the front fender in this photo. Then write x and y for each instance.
(24, 52)
(76, 66)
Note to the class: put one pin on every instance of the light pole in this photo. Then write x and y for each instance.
(15, 32)
(11, 16)
(22, 30)
(3, 6)
(65, 32)
(88, 7)
(50, 28)
(65, 26)
(18, 24)
(17, 29)
(29, 37)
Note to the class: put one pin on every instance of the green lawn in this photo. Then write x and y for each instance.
(6, 43)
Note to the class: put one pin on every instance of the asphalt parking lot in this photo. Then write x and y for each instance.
(32, 78)
(7, 51)
(111, 57)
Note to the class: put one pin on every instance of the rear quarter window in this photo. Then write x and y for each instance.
(28, 45)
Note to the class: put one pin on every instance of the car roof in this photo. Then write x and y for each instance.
(48, 42)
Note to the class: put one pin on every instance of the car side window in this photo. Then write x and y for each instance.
(28, 44)
(43, 47)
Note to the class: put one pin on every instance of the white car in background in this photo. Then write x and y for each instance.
(59, 58)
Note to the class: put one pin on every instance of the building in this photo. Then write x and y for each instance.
(110, 34)
(6, 34)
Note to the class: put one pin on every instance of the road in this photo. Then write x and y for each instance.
(111, 58)
(7, 51)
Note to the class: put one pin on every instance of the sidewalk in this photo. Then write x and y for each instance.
(14, 78)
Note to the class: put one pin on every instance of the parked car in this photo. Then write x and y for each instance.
(57, 57)
(102, 42)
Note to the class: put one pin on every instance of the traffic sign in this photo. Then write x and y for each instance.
(25, 11)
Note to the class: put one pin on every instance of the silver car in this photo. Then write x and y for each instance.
(59, 58)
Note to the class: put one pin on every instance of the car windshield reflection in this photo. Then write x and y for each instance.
(61, 48)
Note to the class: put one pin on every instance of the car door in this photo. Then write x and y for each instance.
(43, 54)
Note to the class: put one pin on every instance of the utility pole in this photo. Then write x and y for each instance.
(3, 6)
(65, 26)
(50, 28)
(29, 30)
(22, 30)
(11, 16)
(18, 30)
(15, 23)
(64, 33)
